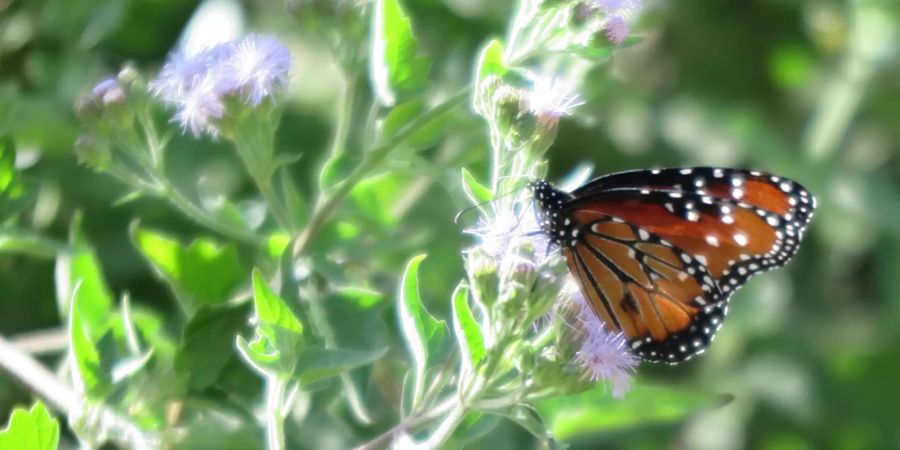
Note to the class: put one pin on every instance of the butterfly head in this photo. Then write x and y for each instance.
(551, 213)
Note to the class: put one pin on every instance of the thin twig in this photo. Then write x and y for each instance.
(42, 342)
(36, 377)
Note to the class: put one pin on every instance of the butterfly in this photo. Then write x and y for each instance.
(658, 253)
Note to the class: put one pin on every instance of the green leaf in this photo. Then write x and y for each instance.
(279, 333)
(477, 192)
(216, 202)
(204, 273)
(25, 242)
(271, 309)
(530, 419)
(80, 266)
(30, 430)
(376, 196)
(468, 333)
(7, 164)
(404, 114)
(87, 373)
(336, 169)
(490, 61)
(422, 333)
(597, 411)
(206, 347)
(317, 363)
(394, 67)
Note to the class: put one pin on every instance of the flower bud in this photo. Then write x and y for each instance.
(482, 269)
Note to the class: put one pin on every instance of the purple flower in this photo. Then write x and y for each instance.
(199, 107)
(616, 29)
(616, 11)
(257, 66)
(550, 99)
(616, 7)
(602, 355)
(254, 67)
(108, 91)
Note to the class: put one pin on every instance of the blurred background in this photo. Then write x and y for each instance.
(806, 89)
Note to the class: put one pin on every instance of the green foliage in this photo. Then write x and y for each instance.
(279, 334)
(395, 67)
(80, 267)
(364, 160)
(33, 429)
(596, 412)
(203, 273)
(423, 335)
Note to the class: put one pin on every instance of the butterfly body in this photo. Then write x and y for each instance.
(658, 253)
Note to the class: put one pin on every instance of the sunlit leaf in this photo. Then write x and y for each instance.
(422, 333)
(204, 273)
(33, 429)
(80, 266)
(477, 192)
(87, 371)
(469, 337)
(395, 68)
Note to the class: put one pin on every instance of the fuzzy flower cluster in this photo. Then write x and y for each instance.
(550, 99)
(253, 68)
(615, 13)
(602, 355)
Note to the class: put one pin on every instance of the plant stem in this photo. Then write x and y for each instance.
(411, 422)
(65, 399)
(37, 378)
(446, 428)
(202, 217)
(275, 389)
(371, 161)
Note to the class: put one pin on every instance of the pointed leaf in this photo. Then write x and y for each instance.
(318, 363)
(394, 67)
(33, 429)
(271, 309)
(468, 333)
(477, 192)
(87, 371)
(422, 333)
(204, 273)
(80, 266)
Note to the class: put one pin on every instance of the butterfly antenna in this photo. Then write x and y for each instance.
(461, 213)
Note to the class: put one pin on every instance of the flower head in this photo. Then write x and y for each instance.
(615, 12)
(199, 107)
(257, 66)
(617, 7)
(550, 99)
(108, 91)
(254, 67)
(616, 29)
(602, 355)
